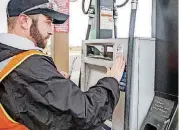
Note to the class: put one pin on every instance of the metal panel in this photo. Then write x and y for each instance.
(103, 32)
(142, 79)
(94, 69)
(146, 77)
(167, 47)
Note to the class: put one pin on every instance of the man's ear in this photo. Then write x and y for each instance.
(25, 21)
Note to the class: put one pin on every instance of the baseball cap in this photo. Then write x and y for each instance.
(32, 7)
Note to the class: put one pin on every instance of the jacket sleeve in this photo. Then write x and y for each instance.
(56, 102)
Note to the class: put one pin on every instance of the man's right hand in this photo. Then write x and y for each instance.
(117, 69)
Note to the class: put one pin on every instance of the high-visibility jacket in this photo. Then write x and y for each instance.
(6, 122)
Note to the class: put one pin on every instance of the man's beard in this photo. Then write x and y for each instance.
(36, 35)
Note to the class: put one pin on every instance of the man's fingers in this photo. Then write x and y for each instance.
(116, 62)
(117, 69)
(119, 62)
(122, 63)
(122, 66)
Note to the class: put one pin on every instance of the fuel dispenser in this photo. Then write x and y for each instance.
(147, 101)
(95, 61)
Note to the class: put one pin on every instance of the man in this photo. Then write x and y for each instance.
(35, 94)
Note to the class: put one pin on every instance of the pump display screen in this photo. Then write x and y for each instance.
(100, 51)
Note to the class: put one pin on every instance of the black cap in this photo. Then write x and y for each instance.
(32, 7)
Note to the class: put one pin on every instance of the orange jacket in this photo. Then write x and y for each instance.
(6, 122)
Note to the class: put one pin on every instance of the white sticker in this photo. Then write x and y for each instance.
(120, 50)
(106, 18)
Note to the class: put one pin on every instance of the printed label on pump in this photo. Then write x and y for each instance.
(63, 7)
(106, 18)
(119, 50)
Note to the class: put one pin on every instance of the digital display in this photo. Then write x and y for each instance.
(100, 51)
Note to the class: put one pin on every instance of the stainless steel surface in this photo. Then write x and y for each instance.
(142, 78)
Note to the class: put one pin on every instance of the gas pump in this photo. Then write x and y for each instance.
(143, 104)
(94, 65)
(102, 18)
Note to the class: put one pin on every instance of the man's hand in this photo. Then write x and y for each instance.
(67, 76)
(117, 69)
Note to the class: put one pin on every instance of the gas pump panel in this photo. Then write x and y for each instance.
(101, 53)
